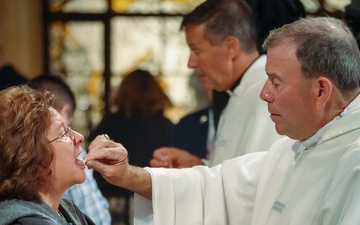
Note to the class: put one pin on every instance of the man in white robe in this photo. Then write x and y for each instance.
(309, 177)
(223, 51)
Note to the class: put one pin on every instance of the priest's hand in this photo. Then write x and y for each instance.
(110, 159)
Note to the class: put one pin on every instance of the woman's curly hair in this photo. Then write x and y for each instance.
(25, 154)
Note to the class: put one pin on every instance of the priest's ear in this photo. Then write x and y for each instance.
(323, 90)
(232, 45)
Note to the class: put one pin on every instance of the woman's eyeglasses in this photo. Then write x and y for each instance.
(68, 132)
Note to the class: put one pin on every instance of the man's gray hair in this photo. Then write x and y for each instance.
(325, 47)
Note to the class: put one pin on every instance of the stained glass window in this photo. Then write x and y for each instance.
(83, 6)
(90, 45)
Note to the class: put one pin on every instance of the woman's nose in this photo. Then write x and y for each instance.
(79, 138)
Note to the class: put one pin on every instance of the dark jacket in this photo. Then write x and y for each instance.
(10, 77)
(191, 133)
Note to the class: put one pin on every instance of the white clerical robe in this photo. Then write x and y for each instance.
(288, 185)
(245, 125)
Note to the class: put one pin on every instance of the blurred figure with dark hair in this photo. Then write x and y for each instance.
(140, 94)
(65, 102)
(138, 121)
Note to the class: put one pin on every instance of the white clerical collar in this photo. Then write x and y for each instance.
(313, 140)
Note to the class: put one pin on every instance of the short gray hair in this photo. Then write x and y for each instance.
(325, 47)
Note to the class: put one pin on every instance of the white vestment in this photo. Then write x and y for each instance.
(288, 185)
(245, 125)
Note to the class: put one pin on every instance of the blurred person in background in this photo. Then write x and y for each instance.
(138, 120)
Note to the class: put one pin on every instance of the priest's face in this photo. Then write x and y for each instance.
(212, 62)
(290, 96)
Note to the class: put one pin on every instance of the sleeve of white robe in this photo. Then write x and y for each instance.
(200, 195)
